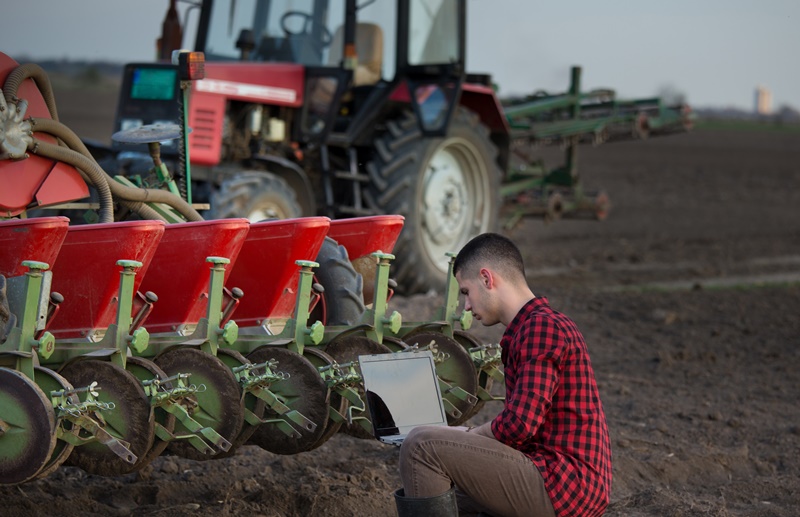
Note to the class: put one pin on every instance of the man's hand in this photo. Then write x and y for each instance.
(482, 430)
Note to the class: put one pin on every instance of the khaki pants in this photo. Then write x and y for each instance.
(489, 476)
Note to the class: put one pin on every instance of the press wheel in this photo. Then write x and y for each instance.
(304, 391)
(234, 359)
(345, 349)
(144, 369)
(320, 359)
(49, 381)
(220, 406)
(485, 380)
(28, 432)
(131, 420)
(457, 370)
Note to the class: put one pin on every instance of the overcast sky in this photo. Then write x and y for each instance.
(714, 51)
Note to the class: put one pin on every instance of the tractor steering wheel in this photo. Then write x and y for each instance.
(308, 21)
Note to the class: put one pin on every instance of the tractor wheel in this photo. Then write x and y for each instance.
(447, 189)
(343, 300)
(256, 196)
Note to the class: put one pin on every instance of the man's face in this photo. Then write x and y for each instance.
(479, 298)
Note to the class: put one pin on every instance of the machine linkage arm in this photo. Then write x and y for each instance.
(258, 384)
(78, 413)
(176, 401)
(344, 379)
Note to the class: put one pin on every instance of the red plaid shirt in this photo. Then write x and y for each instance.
(553, 412)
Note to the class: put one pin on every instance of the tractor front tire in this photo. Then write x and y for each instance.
(255, 195)
(447, 188)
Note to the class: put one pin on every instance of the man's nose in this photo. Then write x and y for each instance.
(467, 305)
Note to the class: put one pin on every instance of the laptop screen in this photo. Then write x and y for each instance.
(402, 392)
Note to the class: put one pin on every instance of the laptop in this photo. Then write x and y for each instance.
(402, 392)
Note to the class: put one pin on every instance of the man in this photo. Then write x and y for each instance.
(547, 453)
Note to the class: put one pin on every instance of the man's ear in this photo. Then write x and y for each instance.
(487, 278)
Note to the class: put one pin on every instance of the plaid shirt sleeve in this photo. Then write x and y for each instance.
(553, 412)
(535, 375)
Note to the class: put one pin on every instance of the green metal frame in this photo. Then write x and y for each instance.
(28, 350)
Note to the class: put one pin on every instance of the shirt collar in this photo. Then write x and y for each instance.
(530, 306)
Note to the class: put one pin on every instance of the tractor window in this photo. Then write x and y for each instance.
(433, 32)
(307, 32)
(226, 23)
(289, 31)
(384, 15)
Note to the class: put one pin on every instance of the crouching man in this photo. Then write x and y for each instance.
(547, 453)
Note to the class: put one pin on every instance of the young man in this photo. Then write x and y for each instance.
(547, 453)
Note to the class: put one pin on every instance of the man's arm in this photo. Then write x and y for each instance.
(539, 350)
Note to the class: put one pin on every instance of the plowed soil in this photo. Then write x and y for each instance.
(688, 296)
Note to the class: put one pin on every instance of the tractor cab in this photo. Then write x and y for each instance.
(309, 72)
(356, 51)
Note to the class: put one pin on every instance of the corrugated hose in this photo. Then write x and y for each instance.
(75, 153)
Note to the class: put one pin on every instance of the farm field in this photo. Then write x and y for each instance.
(688, 296)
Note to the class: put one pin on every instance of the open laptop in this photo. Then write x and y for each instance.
(402, 392)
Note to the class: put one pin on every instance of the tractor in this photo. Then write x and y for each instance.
(349, 108)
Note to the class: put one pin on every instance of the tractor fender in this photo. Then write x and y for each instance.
(295, 176)
(483, 101)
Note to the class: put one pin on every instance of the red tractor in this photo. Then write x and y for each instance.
(356, 107)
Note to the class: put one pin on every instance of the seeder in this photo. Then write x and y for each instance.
(126, 339)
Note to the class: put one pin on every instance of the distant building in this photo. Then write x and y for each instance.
(763, 101)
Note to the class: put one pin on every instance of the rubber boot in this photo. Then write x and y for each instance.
(443, 505)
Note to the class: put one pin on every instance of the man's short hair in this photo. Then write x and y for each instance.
(493, 250)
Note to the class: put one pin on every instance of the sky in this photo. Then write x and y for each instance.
(715, 52)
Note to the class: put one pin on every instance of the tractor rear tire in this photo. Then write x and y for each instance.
(343, 298)
(447, 188)
(255, 195)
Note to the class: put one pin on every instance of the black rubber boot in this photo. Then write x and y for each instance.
(443, 505)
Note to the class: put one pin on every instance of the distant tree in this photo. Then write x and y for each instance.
(787, 114)
(671, 95)
(89, 76)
